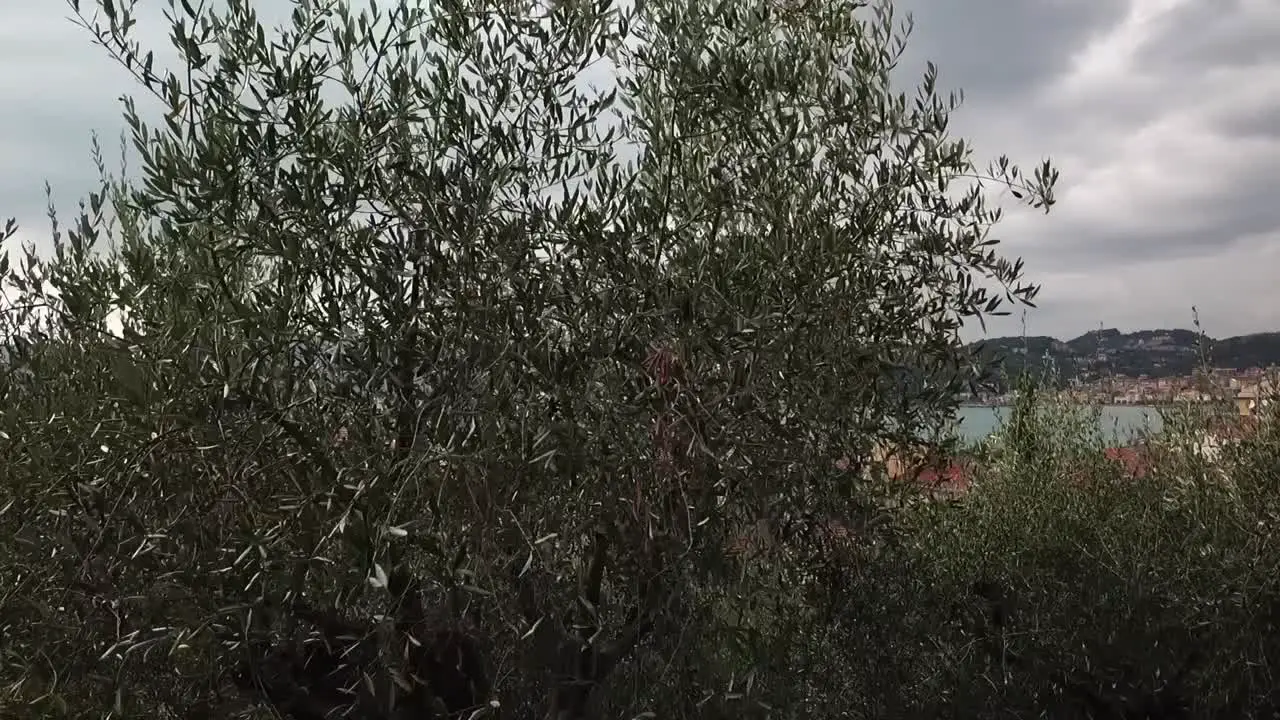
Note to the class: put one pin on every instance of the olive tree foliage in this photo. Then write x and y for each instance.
(408, 299)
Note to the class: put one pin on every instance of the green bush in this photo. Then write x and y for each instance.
(1086, 592)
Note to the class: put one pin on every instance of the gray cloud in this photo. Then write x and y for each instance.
(1195, 222)
(997, 50)
(1163, 116)
(1165, 124)
(1260, 123)
(58, 89)
(1224, 33)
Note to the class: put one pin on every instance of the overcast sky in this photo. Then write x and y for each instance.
(1162, 115)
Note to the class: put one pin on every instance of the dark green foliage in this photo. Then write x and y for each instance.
(1121, 592)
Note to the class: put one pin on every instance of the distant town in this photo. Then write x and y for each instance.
(1246, 387)
(1145, 367)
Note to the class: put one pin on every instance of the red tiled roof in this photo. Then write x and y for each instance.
(954, 475)
(1234, 427)
(924, 467)
(1135, 460)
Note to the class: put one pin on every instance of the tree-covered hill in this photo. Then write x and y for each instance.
(1155, 353)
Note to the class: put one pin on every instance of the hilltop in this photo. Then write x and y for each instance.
(1154, 353)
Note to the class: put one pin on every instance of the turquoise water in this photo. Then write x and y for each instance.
(1118, 423)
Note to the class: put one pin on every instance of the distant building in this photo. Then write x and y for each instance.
(1252, 397)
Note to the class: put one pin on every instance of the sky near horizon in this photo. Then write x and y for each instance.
(1163, 117)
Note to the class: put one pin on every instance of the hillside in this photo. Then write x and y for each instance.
(1154, 353)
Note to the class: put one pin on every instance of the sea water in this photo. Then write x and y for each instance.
(1117, 423)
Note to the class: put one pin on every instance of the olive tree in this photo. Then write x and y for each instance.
(475, 336)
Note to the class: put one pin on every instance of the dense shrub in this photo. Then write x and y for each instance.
(1115, 597)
